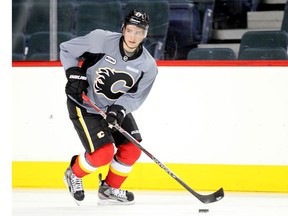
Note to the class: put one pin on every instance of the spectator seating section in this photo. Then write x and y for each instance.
(211, 54)
(284, 25)
(263, 39)
(228, 14)
(91, 15)
(39, 44)
(20, 11)
(187, 25)
(65, 16)
(39, 16)
(18, 46)
(277, 53)
(251, 5)
(184, 32)
(207, 26)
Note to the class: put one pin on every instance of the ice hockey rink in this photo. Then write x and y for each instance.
(27, 202)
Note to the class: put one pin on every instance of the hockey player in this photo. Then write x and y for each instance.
(117, 74)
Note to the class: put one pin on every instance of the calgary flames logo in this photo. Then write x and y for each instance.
(112, 84)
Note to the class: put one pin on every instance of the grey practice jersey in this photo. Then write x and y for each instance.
(113, 77)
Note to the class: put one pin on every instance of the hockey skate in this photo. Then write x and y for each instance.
(113, 196)
(74, 184)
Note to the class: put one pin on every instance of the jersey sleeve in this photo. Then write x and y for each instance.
(72, 50)
(133, 100)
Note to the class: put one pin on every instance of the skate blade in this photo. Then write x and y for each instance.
(105, 202)
(76, 201)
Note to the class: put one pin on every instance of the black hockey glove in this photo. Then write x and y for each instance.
(77, 83)
(115, 114)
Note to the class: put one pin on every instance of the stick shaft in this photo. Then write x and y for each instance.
(203, 198)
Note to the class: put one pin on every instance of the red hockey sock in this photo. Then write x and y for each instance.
(121, 165)
(87, 163)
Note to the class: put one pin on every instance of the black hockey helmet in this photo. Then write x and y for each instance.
(138, 18)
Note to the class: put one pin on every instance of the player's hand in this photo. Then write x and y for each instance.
(115, 114)
(77, 83)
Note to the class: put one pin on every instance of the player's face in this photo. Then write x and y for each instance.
(133, 36)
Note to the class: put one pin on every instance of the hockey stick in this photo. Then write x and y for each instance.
(209, 198)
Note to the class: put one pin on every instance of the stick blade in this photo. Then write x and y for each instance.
(216, 196)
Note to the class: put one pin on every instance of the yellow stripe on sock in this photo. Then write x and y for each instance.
(118, 172)
(84, 165)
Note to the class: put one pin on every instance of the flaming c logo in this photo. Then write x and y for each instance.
(112, 84)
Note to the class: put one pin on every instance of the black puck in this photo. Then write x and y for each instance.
(203, 210)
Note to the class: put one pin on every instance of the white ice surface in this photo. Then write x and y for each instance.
(60, 203)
